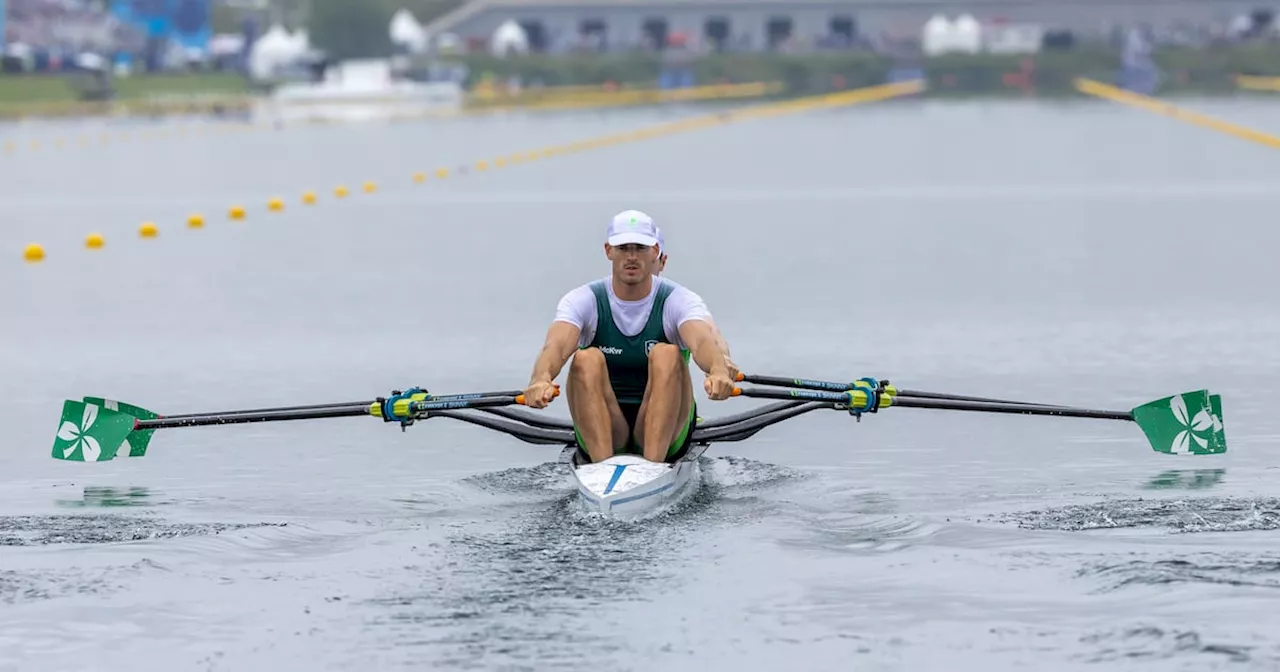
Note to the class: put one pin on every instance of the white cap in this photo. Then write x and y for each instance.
(632, 226)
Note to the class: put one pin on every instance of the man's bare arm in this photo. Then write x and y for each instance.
(702, 342)
(561, 342)
(723, 347)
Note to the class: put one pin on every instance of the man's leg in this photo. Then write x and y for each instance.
(668, 400)
(600, 426)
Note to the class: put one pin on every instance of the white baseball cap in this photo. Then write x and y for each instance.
(632, 226)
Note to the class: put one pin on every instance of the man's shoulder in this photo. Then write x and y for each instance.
(584, 290)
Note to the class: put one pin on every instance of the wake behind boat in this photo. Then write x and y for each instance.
(630, 487)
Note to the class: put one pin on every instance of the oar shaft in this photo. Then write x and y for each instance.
(857, 397)
(337, 405)
(1016, 408)
(918, 394)
(264, 415)
(833, 386)
(414, 408)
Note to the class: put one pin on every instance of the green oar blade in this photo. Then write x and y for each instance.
(90, 432)
(137, 441)
(1182, 424)
(1219, 429)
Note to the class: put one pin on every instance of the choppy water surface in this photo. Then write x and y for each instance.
(1084, 254)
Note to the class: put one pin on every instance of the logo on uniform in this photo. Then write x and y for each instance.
(648, 345)
(610, 350)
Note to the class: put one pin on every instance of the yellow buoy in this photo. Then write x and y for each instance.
(275, 205)
(499, 162)
(482, 165)
(148, 230)
(340, 192)
(195, 221)
(236, 212)
(94, 241)
(370, 187)
(419, 177)
(309, 198)
(33, 252)
(442, 173)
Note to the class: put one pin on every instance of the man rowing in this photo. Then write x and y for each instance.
(630, 335)
(660, 265)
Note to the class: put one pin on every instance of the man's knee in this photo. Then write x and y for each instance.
(588, 365)
(664, 356)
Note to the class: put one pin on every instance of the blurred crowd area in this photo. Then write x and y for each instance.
(57, 35)
(68, 25)
(53, 35)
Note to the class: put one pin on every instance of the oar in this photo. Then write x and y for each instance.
(322, 407)
(1183, 424)
(831, 386)
(97, 429)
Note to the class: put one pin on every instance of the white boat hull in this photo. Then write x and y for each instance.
(630, 487)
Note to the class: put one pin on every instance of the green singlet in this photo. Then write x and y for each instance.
(627, 360)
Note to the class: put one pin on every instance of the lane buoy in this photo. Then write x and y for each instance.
(147, 230)
(94, 241)
(33, 253)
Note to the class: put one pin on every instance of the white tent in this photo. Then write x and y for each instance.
(968, 34)
(274, 49)
(407, 32)
(509, 38)
(937, 35)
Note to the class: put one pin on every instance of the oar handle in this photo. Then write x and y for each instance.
(800, 383)
(857, 401)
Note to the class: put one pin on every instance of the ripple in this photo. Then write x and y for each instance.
(33, 585)
(1152, 642)
(1178, 515)
(102, 529)
(541, 478)
(1204, 569)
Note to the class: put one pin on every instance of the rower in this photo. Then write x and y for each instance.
(630, 335)
(661, 265)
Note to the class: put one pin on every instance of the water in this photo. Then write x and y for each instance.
(1085, 254)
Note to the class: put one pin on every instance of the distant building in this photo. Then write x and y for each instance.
(558, 25)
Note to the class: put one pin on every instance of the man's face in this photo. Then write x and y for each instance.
(632, 263)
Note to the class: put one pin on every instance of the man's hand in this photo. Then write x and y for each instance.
(539, 394)
(718, 385)
(733, 368)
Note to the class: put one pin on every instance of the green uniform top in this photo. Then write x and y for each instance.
(625, 331)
